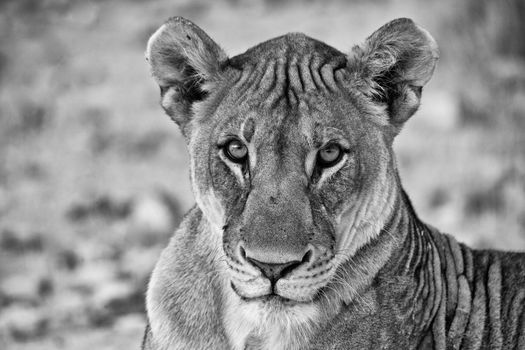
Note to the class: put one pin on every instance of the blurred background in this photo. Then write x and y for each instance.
(94, 177)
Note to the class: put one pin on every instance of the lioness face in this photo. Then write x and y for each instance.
(277, 167)
(290, 147)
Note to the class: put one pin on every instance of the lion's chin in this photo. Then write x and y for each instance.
(273, 300)
(274, 303)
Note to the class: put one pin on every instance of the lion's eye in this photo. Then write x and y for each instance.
(236, 151)
(329, 155)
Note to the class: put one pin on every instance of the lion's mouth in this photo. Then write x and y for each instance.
(272, 298)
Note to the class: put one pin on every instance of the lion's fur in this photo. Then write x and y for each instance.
(368, 274)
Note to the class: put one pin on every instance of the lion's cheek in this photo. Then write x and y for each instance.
(212, 208)
(205, 196)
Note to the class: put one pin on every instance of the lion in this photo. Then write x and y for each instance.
(302, 236)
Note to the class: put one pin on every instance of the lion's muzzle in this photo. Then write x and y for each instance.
(279, 244)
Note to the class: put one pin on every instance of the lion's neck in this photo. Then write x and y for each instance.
(395, 284)
(436, 272)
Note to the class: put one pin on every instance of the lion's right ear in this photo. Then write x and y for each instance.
(183, 60)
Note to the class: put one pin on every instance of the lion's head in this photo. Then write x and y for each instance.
(291, 147)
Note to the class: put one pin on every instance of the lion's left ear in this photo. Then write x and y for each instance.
(183, 60)
(393, 65)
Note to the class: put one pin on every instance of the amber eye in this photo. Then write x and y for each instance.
(329, 155)
(236, 151)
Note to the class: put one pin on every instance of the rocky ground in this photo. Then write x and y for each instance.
(94, 178)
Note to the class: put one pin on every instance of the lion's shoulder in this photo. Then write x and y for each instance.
(183, 300)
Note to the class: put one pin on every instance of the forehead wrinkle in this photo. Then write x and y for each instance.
(294, 77)
(285, 81)
(239, 85)
(283, 68)
(263, 72)
(279, 91)
(251, 74)
(268, 78)
(305, 72)
(315, 63)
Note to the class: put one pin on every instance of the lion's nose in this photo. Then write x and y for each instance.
(275, 271)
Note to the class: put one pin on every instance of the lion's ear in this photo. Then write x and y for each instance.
(183, 60)
(393, 65)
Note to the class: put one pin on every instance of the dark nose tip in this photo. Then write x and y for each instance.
(274, 271)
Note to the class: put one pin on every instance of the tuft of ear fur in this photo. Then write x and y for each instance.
(183, 59)
(393, 65)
